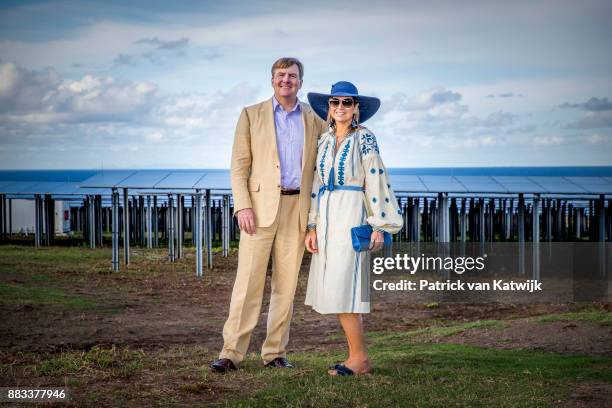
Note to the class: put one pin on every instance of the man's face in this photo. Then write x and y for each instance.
(286, 82)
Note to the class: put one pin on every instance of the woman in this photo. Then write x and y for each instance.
(350, 188)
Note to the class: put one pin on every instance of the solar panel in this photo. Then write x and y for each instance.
(107, 179)
(163, 192)
(144, 179)
(185, 182)
(18, 186)
(215, 181)
(519, 184)
(96, 191)
(51, 187)
(181, 180)
(595, 185)
(407, 183)
(443, 184)
(481, 184)
(557, 185)
(5, 183)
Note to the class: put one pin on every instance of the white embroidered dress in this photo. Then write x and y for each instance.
(338, 279)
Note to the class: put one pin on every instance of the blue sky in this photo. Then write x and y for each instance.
(157, 84)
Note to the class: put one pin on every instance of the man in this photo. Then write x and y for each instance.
(272, 169)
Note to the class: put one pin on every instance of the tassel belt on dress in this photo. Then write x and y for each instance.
(331, 186)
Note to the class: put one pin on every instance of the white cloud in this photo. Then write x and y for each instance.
(598, 138)
(154, 137)
(593, 120)
(102, 118)
(30, 96)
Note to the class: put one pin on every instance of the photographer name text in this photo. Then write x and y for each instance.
(530, 285)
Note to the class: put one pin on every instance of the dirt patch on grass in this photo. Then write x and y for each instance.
(154, 304)
(571, 337)
(592, 395)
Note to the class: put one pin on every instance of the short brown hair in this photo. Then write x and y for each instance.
(286, 62)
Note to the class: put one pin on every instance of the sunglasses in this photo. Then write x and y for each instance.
(347, 103)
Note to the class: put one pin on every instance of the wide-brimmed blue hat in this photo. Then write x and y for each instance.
(368, 105)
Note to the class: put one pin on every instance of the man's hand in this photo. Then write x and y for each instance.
(246, 220)
(311, 242)
(377, 240)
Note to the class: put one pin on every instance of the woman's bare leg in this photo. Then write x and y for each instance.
(358, 356)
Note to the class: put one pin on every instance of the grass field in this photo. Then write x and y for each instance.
(146, 335)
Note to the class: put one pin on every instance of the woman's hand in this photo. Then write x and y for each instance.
(377, 240)
(311, 242)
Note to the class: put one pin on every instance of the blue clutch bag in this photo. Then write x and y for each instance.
(360, 237)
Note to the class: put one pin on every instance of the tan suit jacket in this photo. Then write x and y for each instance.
(255, 169)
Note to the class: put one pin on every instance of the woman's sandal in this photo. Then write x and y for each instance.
(343, 370)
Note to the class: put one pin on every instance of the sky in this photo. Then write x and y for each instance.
(158, 84)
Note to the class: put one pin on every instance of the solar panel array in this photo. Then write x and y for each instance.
(502, 184)
(167, 181)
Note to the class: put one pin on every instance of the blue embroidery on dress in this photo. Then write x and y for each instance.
(372, 171)
(383, 214)
(313, 195)
(368, 144)
(341, 163)
(386, 200)
(322, 164)
(380, 171)
(373, 199)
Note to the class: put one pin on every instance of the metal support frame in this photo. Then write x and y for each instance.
(416, 221)
(170, 217)
(10, 217)
(481, 224)
(579, 219)
(149, 224)
(197, 231)
(443, 218)
(126, 227)
(37, 221)
(463, 221)
(91, 215)
(115, 229)
(2, 217)
(601, 232)
(443, 227)
(535, 216)
(225, 221)
(179, 226)
(208, 231)
(521, 234)
(155, 223)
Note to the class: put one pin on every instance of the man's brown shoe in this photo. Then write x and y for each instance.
(222, 365)
(280, 362)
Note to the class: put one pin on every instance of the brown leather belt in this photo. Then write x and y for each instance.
(290, 192)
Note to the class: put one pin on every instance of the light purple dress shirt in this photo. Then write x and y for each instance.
(290, 143)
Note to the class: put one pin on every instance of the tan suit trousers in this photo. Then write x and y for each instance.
(285, 242)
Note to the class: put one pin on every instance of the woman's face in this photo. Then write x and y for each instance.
(342, 108)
